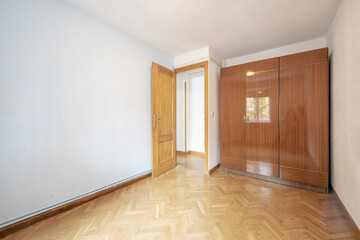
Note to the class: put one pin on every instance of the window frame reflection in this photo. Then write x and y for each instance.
(255, 107)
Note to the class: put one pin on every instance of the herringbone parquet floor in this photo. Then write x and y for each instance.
(185, 204)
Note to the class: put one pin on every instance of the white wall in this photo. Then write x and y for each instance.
(195, 124)
(277, 52)
(344, 46)
(189, 58)
(180, 111)
(75, 105)
(199, 55)
(214, 114)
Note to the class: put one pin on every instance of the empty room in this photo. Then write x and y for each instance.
(207, 119)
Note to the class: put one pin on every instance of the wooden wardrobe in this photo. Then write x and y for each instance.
(274, 119)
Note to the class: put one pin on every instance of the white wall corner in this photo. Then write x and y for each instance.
(344, 48)
(214, 56)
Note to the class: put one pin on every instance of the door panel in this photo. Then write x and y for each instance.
(163, 126)
(292, 114)
(232, 124)
(165, 103)
(304, 155)
(262, 117)
(165, 151)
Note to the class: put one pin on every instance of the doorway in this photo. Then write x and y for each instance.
(191, 112)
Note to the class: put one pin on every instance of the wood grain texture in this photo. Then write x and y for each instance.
(232, 112)
(184, 203)
(262, 135)
(181, 152)
(262, 168)
(235, 163)
(251, 143)
(277, 180)
(304, 110)
(66, 207)
(191, 67)
(201, 154)
(271, 64)
(299, 59)
(164, 120)
(237, 70)
(305, 176)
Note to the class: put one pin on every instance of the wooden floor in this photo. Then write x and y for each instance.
(186, 204)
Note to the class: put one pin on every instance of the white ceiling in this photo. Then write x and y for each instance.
(231, 27)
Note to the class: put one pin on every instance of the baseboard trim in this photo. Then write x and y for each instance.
(346, 211)
(214, 169)
(201, 154)
(23, 223)
(181, 152)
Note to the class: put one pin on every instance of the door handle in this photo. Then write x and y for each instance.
(282, 119)
(244, 118)
(155, 119)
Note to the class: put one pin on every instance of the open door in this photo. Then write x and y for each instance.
(163, 119)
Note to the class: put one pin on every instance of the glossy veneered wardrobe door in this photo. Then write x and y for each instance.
(262, 101)
(232, 124)
(304, 154)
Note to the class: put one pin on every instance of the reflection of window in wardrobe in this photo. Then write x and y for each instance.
(258, 108)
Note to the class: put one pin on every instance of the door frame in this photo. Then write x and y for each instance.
(205, 65)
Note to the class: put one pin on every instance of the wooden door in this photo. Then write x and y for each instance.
(163, 120)
(232, 123)
(304, 113)
(262, 100)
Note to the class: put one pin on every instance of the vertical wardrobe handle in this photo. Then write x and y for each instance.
(244, 118)
(282, 119)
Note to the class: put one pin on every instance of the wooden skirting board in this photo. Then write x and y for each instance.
(214, 169)
(345, 210)
(55, 211)
(181, 152)
(201, 154)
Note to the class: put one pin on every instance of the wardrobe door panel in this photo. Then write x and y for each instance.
(304, 128)
(262, 117)
(232, 124)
